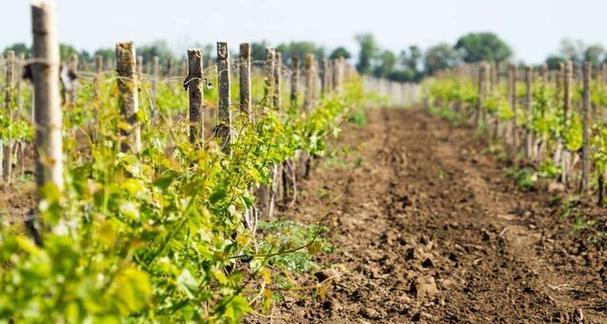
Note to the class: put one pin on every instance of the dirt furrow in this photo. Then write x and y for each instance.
(428, 228)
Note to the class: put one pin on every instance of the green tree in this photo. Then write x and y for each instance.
(410, 58)
(300, 49)
(106, 53)
(477, 47)
(157, 48)
(258, 50)
(66, 50)
(367, 53)
(439, 57)
(573, 50)
(387, 64)
(594, 54)
(340, 52)
(18, 48)
(553, 61)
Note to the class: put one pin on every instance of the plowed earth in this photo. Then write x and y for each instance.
(428, 227)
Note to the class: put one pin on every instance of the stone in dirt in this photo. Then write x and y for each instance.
(424, 287)
(370, 313)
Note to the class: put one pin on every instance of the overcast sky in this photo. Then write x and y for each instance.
(533, 28)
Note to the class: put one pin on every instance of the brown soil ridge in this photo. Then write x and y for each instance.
(428, 228)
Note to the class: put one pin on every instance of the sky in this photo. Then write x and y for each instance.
(533, 28)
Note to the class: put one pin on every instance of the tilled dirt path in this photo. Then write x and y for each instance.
(427, 228)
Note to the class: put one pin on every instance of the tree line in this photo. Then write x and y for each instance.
(411, 64)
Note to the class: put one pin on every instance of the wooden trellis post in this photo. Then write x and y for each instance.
(528, 108)
(309, 74)
(585, 180)
(269, 77)
(6, 168)
(223, 129)
(169, 67)
(129, 101)
(294, 80)
(323, 72)
(20, 103)
(193, 84)
(72, 69)
(47, 100)
(512, 74)
(139, 66)
(276, 100)
(245, 80)
(482, 72)
(155, 79)
(567, 83)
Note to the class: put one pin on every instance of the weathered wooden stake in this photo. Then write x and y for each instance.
(224, 127)
(193, 84)
(155, 79)
(567, 82)
(139, 66)
(276, 98)
(294, 80)
(309, 74)
(129, 101)
(512, 73)
(585, 181)
(6, 145)
(482, 85)
(72, 68)
(528, 99)
(245, 80)
(47, 100)
(269, 77)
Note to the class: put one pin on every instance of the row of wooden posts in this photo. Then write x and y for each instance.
(395, 94)
(533, 147)
(48, 89)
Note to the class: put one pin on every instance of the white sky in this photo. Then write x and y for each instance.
(533, 28)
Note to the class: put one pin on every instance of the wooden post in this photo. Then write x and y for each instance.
(72, 69)
(169, 68)
(20, 102)
(512, 72)
(482, 84)
(559, 81)
(294, 80)
(129, 101)
(528, 99)
(245, 80)
(309, 74)
(585, 181)
(276, 100)
(47, 100)
(269, 77)
(223, 79)
(335, 73)
(193, 84)
(6, 169)
(98, 64)
(567, 91)
(323, 71)
(567, 82)
(139, 66)
(155, 79)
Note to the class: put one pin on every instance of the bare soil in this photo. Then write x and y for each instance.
(428, 227)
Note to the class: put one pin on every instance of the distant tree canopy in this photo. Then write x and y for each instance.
(367, 53)
(477, 47)
(18, 48)
(439, 57)
(300, 49)
(340, 52)
(411, 64)
(553, 61)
